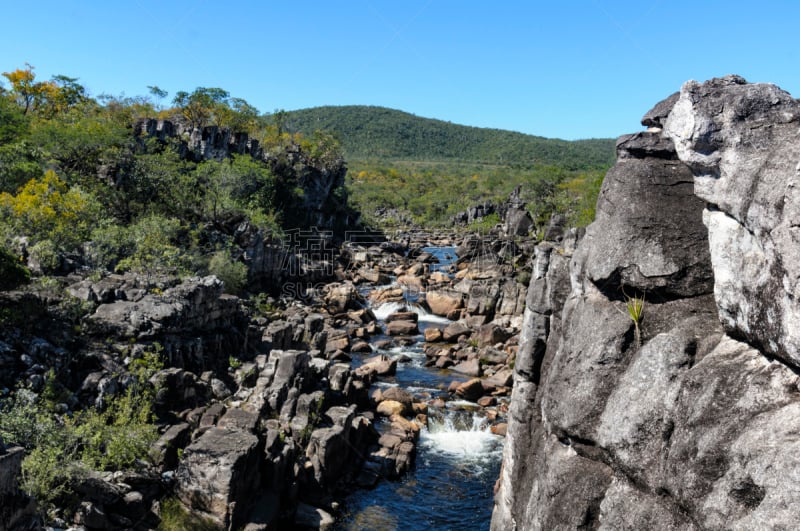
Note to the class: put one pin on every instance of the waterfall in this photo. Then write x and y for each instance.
(386, 309)
(462, 434)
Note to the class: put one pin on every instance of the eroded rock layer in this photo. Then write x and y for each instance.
(685, 419)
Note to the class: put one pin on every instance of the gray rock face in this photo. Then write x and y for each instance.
(197, 303)
(689, 429)
(217, 472)
(740, 141)
(648, 235)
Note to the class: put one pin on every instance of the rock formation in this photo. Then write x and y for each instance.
(688, 425)
(516, 219)
(319, 180)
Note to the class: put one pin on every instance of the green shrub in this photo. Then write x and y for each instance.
(49, 209)
(175, 517)
(109, 244)
(117, 437)
(23, 421)
(62, 448)
(45, 253)
(155, 250)
(232, 273)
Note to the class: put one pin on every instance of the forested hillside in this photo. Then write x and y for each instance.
(425, 171)
(369, 132)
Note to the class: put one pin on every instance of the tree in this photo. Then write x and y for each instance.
(201, 106)
(241, 116)
(240, 184)
(70, 92)
(13, 124)
(279, 118)
(48, 209)
(28, 92)
(157, 93)
(44, 97)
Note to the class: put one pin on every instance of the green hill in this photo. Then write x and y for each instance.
(378, 133)
(429, 169)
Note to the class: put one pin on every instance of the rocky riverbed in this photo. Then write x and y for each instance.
(270, 416)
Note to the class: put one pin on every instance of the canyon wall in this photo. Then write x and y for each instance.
(687, 419)
(322, 180)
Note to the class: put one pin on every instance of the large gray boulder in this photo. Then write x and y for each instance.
(195, 304)
(740, 141)
(648, 235)
(283, 372)
(218, 475)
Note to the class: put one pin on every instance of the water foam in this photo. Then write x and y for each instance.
(461, 435)
(387, 308)
(424, 316)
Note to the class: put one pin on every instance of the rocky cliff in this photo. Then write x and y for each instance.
(688, 418)
(322, 181)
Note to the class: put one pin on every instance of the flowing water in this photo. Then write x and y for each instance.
(458, 458)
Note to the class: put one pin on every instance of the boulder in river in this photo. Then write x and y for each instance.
(402, 328)
(444, 301)
(453, 331)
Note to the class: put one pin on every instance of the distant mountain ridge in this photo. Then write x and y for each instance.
(380, 133)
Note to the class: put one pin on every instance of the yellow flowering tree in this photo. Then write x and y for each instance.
(43, 97)
(48, 209)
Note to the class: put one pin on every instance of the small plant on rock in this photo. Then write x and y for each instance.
(635, 307)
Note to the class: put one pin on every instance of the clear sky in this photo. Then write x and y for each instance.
(568, 69)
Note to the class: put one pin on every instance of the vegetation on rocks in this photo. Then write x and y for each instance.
(635, 307)
(85, 191)
(77, 176)
(63, 447)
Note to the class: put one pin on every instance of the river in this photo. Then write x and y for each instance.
(458, 458)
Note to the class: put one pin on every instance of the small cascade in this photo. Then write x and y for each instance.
(462, 434)
(386, 309)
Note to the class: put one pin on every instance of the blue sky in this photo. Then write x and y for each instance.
(570, 69)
